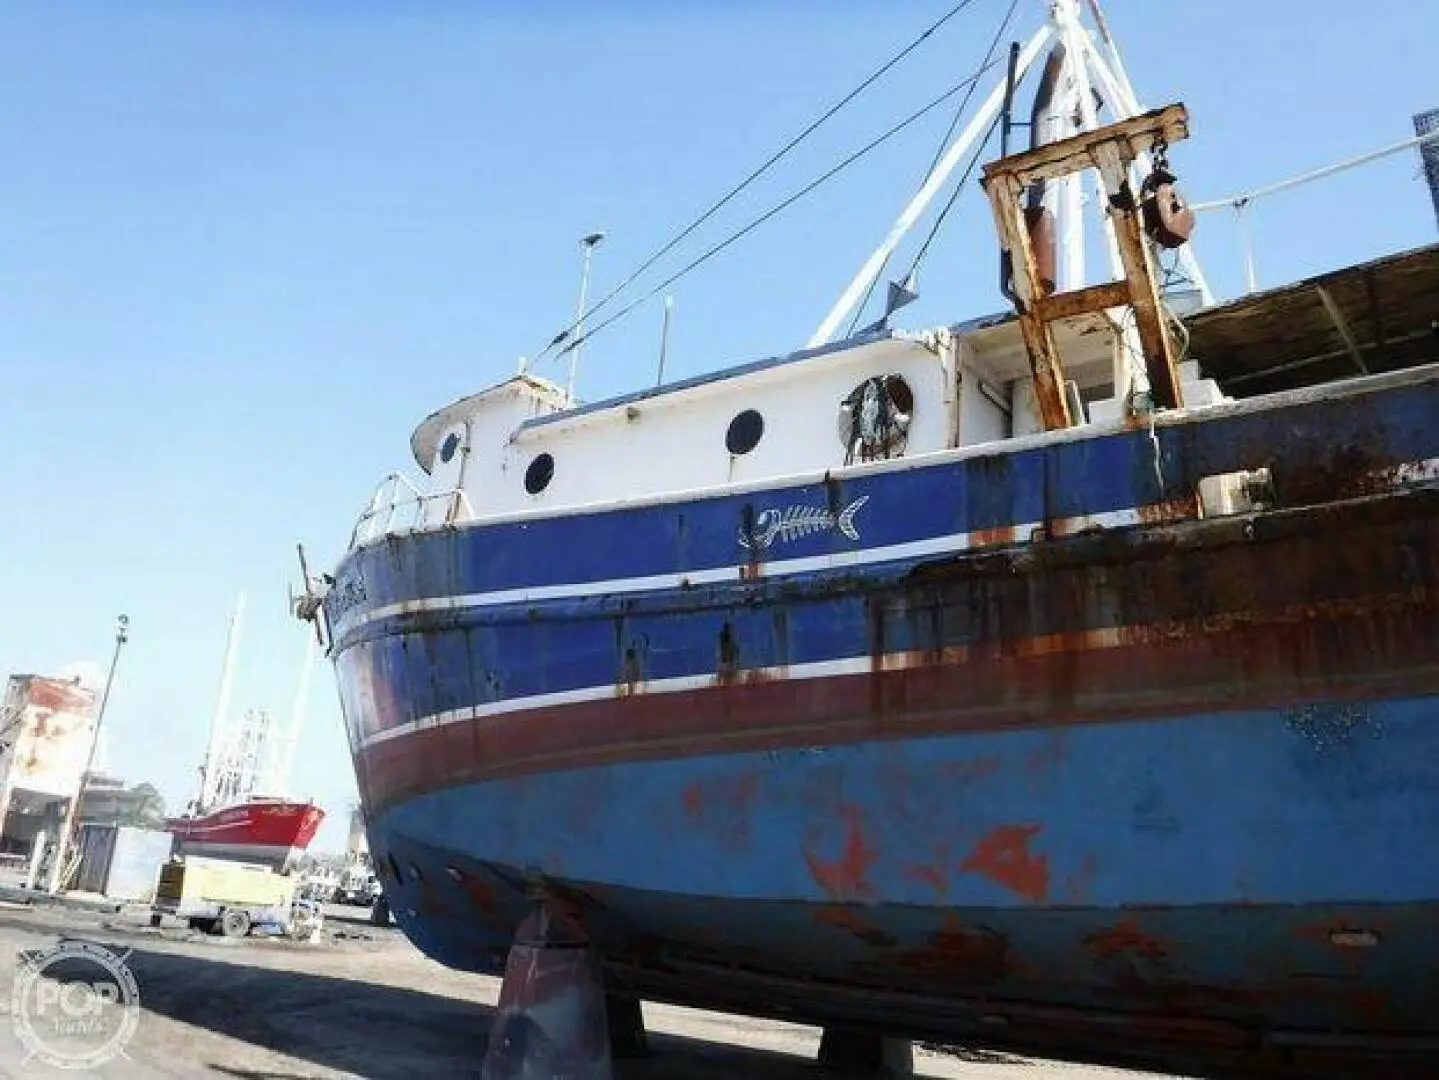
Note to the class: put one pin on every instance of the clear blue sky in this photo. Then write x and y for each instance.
(245, 247)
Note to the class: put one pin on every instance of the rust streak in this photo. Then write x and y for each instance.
(957, 952)
(847, 877)
(1183, 508)
(694, 802)
(932, 876)
(846, 918)
(480, 894)
(1124, 937)
(998, 534)
(1003, 856)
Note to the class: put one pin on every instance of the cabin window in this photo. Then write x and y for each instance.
(539, 474)
(447, 450)
(744, 432)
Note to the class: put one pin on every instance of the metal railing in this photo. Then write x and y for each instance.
(1241, 202)
(399, 506)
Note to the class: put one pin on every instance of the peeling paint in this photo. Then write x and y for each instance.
(847, 876)
(1003, 856)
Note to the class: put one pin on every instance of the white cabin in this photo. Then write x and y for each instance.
(515, 448)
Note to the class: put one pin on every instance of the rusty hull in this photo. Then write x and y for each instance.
(1162, 794)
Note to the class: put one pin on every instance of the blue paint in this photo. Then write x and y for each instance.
(1176, 827)
(924, 498)
(1164, 812)
(1231, 828)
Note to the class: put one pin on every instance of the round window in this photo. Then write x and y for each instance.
(744, 432)
(874, 419)
(447, 450)
(539, 474)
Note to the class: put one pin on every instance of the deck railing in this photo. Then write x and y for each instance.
(397, 506)
(1241, 202)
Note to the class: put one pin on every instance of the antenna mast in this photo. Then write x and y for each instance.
(282, 750)
(209, 771)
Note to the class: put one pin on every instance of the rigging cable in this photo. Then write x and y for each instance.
(938, 154)
(746, 230)
(949, 205)
(697, 222)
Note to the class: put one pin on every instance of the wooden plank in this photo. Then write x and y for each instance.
(1082, 301)
(1137, 134)
(1045, 363)
(1154, 339)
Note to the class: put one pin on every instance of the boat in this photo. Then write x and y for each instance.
(265, 830)
(236, 814)
(1060, 680)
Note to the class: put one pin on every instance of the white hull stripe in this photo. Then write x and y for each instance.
(205, 830)
(930, 545)
(1101, 638)
(818, 670)
(1407, 473)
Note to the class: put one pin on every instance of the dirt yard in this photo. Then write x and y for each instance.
(365, 1003)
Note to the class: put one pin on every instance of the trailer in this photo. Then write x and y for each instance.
(219, 896)
(358, 885)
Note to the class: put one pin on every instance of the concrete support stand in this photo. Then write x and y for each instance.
(863, 1053)
(626, 1022)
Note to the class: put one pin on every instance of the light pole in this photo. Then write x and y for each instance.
(587, 246)
(122, 635)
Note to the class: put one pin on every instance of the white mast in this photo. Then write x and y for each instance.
(977, 127)
(282, 750)
(1085, 65)
(210, 771)
(242, 758)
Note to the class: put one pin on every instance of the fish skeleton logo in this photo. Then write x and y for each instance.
(798, 521)
(75, 1005)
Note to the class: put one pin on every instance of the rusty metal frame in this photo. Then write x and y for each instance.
(1111, 150)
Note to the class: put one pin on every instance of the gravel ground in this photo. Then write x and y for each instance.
(365, 1003)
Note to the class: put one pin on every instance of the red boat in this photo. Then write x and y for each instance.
(270, 831)
(228, 819)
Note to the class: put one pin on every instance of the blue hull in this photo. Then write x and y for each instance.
(1123, 772)
(1107, 866)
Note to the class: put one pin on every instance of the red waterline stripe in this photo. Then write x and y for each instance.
(1383, 655)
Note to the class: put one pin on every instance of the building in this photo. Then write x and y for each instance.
(46, 726)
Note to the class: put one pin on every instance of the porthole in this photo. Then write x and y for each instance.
(744, 432)
(874, 418)
(447, 450)
(539, 474)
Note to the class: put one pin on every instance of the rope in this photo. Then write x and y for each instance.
(938, 154)
(707, 214)
(740, 234)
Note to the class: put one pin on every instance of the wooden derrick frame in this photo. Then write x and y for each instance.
(1111, 150)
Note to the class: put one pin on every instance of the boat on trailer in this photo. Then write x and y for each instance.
(1061, 680)
(241, 811)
